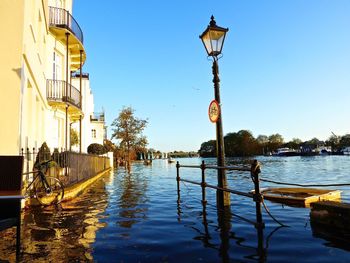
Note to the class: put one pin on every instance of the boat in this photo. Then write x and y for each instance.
(300, 196)
(171, 160)
(346, 151)
(325, 150)
(147, 162)
(286, 152)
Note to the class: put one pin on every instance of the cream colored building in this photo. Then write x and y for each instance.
(42, 46)
(93, 124)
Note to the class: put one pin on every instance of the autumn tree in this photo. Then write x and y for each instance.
(128, 130)
(74, 137)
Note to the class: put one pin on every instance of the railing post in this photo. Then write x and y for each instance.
(34, 157)
(178, 180)
(203, 184)
(254, 171)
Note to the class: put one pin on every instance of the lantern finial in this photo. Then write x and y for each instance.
(212, 21)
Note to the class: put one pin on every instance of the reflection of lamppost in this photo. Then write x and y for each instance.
(213, 39)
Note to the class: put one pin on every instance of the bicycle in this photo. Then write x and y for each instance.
(47, 190)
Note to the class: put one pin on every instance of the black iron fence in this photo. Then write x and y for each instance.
(254, 173)
(60, 17)
(70, 167)
(60, 90)
(224, 211)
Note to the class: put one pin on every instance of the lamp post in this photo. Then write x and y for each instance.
(213, 39)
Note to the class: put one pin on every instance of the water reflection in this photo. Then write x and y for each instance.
(63, 233)
(224, 227)
(133, 189)
(335, 237)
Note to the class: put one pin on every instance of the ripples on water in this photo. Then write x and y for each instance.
(136, 218)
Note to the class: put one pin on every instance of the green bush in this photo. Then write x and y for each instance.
(43, 155)
(96, 148)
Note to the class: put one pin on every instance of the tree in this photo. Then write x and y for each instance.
(333, 141)
(241, 143)
(262, 141)
(295, 143)
(128, 129)
(314, 143)
(141, 144)
(275, 141)
(344, 141)
(208, 149)
(43, 155)
(109, 146)
(74, 137)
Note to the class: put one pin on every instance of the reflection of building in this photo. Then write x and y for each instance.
(39, 101)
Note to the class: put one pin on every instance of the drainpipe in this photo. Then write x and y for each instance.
(81, 101)
(66, 139)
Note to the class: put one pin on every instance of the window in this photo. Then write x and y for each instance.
(57, 66)
(93, 133)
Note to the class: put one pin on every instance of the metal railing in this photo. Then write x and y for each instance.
(254, 173)
(100, 116)
(60, 90)
(84, 166)
(59, 17)
(70, 167)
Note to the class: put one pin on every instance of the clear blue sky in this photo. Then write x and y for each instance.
(285, 67)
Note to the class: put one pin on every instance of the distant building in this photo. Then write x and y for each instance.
(40, 96)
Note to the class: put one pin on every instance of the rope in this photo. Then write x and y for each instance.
(269, 213)
(304, 185)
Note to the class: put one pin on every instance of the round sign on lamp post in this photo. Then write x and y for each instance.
(214, 111)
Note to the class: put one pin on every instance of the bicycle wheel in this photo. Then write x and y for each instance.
(52, 193)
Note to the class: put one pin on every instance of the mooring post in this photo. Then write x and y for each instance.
(178, 180)
(203, 184)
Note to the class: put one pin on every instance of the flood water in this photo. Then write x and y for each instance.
(136, 217)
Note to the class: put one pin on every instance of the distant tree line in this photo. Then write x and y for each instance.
(181, 154)
(243, 143)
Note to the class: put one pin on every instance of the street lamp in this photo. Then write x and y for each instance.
(213, 40)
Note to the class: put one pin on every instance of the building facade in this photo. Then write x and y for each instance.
(40, 53)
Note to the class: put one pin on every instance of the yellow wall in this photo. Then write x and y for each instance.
(26, 63)
(11, 28)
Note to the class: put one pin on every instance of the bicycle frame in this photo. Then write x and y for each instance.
(38, 174)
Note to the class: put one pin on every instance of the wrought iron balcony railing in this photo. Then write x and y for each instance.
(97, 116)
(61, 18)
(59, 91)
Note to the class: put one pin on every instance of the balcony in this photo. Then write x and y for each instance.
(62, 22)
(59, 95)
(98, 116)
